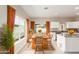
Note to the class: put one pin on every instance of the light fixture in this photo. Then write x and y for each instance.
(45, 8)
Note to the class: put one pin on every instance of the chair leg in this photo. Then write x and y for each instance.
(35, 49)
(35, 52)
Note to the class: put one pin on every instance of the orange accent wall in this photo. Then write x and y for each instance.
(47, 27)
(10, 22)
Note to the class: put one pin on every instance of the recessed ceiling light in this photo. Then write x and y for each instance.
(76, 8)
(45, 8)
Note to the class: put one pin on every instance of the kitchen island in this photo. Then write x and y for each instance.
(68, 43)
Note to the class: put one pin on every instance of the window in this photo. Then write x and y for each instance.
(54, 26)
(18, 28)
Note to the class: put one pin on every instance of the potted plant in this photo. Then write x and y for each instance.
(8, 40)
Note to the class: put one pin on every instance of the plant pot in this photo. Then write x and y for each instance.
(11, 50)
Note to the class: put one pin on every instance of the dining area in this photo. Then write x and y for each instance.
(40, 41)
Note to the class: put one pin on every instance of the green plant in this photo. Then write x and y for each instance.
(30, 30)
(8, 40)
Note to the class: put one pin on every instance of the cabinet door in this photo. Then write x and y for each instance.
(72, 24)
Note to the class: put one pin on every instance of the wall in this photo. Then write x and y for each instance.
(39, 21)
(3, 15)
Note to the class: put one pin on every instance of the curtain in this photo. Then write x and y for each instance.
(10, 17)
(33, 25)
(33, 39)
(10, 22)
(47, 27)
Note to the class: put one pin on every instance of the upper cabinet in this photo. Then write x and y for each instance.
(57, 26)
(72, 24)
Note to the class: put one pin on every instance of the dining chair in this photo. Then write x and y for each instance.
(50, 39)
(39, 45)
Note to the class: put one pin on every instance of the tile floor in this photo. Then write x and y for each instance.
(28, 50)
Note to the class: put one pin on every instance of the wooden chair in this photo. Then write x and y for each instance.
(39, 45)
(50, 39)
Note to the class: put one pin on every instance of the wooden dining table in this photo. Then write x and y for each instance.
(44, 38)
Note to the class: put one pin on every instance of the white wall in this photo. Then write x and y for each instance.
(3, 15)
(40, 21)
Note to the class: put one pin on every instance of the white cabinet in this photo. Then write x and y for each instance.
(72, 44)
(68, 43)
(72, 24)
(61, 42)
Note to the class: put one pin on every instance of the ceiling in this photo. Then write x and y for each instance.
(50, 11)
